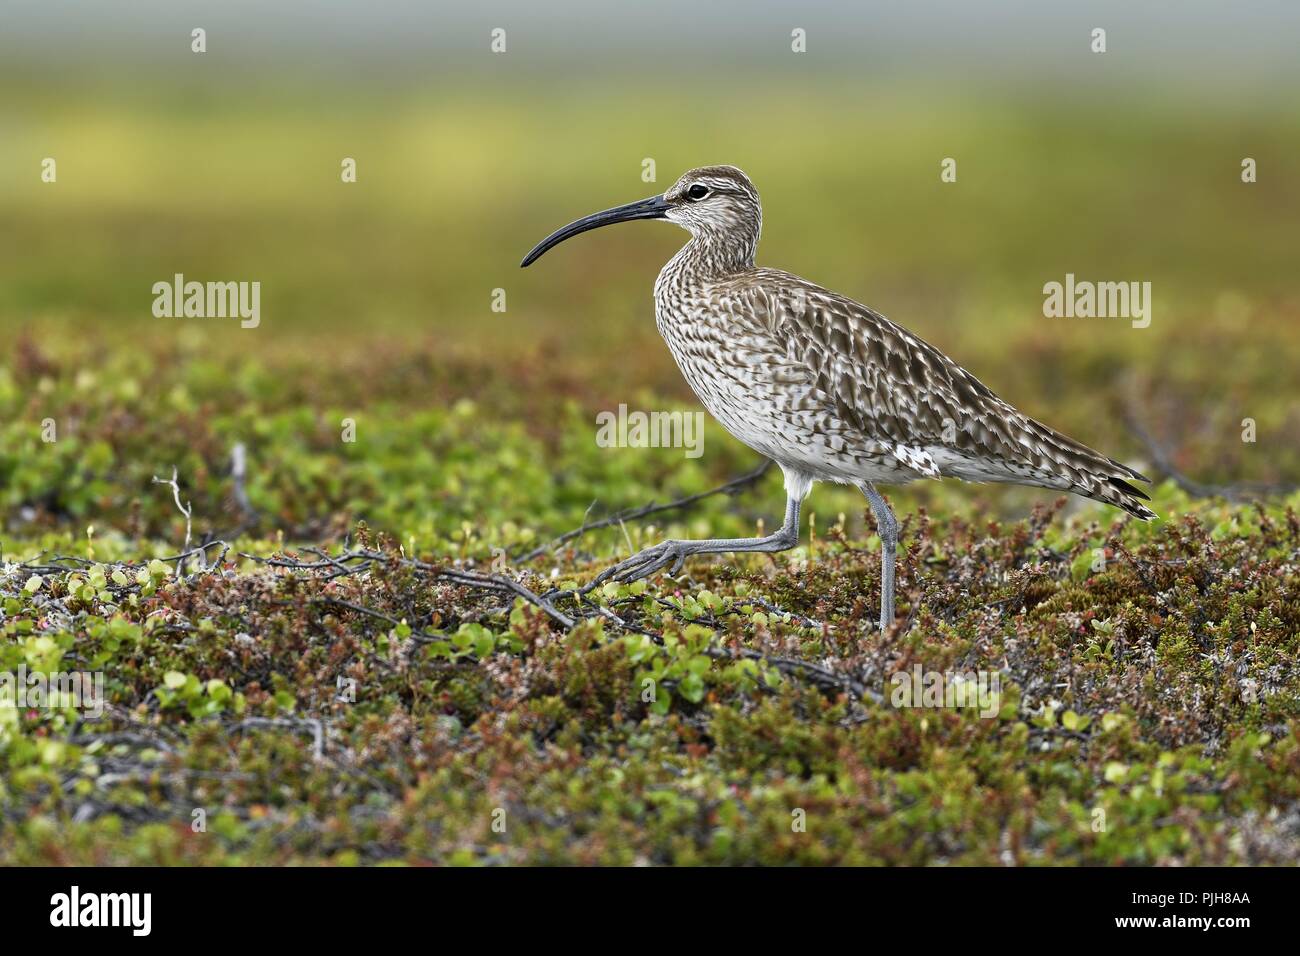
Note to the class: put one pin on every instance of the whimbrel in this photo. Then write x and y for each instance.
(824, 386)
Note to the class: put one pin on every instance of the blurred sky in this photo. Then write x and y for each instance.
(1219, 46)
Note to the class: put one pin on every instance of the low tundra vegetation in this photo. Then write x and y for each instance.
(378, 652)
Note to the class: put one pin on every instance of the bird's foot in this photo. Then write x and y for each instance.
(647, 562)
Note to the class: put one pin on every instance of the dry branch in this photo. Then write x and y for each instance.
(1242, 491)
(734, 486)
(186, 509)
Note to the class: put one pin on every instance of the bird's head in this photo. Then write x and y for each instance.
(718, 205)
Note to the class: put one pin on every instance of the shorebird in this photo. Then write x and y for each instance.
(824, 386)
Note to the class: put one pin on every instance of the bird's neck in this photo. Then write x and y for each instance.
(709, 255)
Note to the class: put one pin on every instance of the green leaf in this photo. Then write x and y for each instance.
(692, 688)
(1111, 721)
(699, 664)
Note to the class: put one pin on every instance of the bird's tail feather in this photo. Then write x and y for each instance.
(1091, 474)
(1053, 460)
(1121, 494)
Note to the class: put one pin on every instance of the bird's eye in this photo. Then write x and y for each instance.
(697, 191)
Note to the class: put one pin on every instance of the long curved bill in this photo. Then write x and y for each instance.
(653, 208)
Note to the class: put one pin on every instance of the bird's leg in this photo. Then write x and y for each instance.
(887, 528)
(674, 552)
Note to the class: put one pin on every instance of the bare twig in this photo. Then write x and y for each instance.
(1243, 491)
(766, 605)
(352, 562)
(202, 551)
(185, 509)
(814, 673)
(731, 487)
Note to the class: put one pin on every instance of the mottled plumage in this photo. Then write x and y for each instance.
(826, 387)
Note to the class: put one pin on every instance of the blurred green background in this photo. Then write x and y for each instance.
(376, 296)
